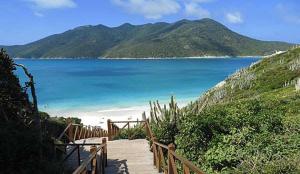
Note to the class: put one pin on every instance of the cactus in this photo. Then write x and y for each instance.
(297, 85)
(294, 65)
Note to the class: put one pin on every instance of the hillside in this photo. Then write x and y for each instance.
(183, 38)
(249, 123)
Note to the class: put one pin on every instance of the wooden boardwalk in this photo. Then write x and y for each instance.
(124, 156)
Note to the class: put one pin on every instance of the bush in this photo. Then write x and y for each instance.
(21, 150)
(137, 132)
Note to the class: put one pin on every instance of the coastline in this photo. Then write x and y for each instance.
(143, 58)
(98, 116)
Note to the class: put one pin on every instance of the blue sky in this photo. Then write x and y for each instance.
(24, 21)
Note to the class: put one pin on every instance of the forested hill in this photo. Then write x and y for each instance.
(183, 38)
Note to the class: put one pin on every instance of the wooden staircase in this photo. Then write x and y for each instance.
(98, 156)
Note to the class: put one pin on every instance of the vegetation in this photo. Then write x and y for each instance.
(250, 123)
(131, 133)
(182, 38)
(21, 150)
(136, 132)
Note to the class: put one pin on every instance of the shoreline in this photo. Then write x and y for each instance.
(144, 58)
(98, 116)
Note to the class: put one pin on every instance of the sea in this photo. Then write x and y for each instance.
(66, 86)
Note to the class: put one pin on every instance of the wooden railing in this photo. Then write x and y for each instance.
(96, 162)
(165, 157)
(162, 152)
(75, 132)
(114, 129)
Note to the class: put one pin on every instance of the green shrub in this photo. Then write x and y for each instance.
(137, 132)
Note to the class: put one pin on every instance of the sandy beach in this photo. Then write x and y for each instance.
(99, 117)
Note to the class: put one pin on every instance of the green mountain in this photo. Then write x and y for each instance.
(183, 38)
(249, 123)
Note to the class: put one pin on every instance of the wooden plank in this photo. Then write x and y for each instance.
(80, 134)
(163, 163)
(172, 169)
(161, 145)
(93, 150)
(127, 121)
(63, 133)
(189, 164)
(186, 169)
(75, 134)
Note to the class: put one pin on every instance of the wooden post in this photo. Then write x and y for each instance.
(186, 170)
(85, 130)
(109, 130)
(128, 127)
(78, 155)
(81, 128)
(70, 130)
(171, 161)
(75, 135)
(94, 160)
(93, 132)
(154, 150)
(105, 151)
(90, 132)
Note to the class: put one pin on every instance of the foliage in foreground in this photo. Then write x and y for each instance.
(20, 148)
(249, 124)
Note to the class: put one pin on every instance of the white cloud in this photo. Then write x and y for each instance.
(38, 14)
(52, 4)
(151, 9)
(194, 9)
(234, 18)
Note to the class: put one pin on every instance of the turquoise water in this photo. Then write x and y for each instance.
(86, 83)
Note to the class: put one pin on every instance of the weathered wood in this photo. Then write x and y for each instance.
(189, 164)
(92, 160)
(80, 134)
(93, 150)
(75, 134)
(85, 131)
(162, 160)
(186, 169)
(105, 151)
(127, 121)
(70, 130)
(109, 130)
(78, 155)
(64, 132)
(130, 157)
(156, 155)
(171, 162)
(161, 145)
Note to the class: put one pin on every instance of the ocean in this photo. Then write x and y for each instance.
(70, 86)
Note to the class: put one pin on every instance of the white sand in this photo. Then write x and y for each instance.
(99, 117)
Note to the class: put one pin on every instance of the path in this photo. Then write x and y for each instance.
(129, 157)
(124, 156)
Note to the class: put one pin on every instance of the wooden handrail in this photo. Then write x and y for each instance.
(114, 130)
(170, 166)
(75, 132)
(186, 162)
(63, 133)
(161, 145)
(97, 165)
(137, 121)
